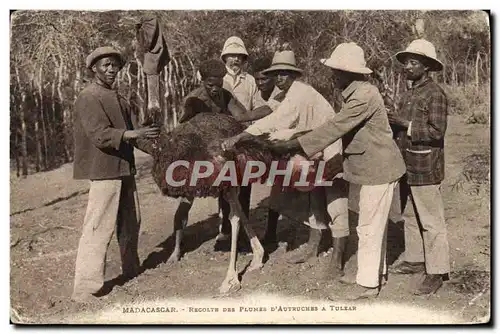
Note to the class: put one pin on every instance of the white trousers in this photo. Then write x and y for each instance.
(112, 204)
(374, 206)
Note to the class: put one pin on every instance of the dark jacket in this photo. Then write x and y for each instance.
(371, 157)
(101, 117)
(426, 107)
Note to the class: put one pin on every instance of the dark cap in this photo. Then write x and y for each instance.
(103, 51)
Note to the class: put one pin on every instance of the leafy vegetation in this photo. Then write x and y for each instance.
(48, 49)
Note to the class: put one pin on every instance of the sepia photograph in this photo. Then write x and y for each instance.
(237, 167)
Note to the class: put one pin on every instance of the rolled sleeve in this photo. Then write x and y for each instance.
(96, 124)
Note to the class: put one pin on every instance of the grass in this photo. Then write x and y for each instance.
(473, 104)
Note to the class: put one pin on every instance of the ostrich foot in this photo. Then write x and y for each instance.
(258, 255)
(174, 257)
(255, 264)
(230, 284)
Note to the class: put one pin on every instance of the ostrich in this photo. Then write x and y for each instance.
(200, 139)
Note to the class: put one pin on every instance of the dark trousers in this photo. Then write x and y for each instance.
(244, 197)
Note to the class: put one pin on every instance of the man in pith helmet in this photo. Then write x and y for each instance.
(372, 161)
(421, 120)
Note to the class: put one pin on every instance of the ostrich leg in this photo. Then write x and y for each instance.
(257, 249)
(180, 222)
(231, 282)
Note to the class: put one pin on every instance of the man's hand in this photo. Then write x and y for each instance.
(317, 156)
(146, 132)
(283, 147)
(229, 143)
(397, 120)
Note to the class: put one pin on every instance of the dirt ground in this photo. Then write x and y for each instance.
(47, 211)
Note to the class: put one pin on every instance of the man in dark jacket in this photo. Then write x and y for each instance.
(104, 142)
(422, 119)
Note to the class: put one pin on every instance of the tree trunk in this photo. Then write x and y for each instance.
(38, 144)
(398, 80)
(53, 125)
(130, 89)
(466, 77)
(454, 74)
(478, 58)
(166, 100)
(66, 121)
(42, 115)
(22, 118)
(175, 91)
(16, 153)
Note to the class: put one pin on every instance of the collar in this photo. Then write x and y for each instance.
(350, 89)
(241, 74)
(95, 82)
(421, 84)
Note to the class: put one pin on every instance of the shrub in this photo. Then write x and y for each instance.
(470, 102)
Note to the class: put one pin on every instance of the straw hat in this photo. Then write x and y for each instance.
(234, 45)
(348, 57)
(423, 48)
(103, 51)
(284, 60)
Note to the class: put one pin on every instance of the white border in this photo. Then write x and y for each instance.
(184, 4)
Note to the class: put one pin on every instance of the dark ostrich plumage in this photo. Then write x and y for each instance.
(200, 139)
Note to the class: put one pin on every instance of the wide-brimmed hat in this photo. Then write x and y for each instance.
(234, 45)
(283, 60)
(103, 51)
(348, 57)
(422, 48)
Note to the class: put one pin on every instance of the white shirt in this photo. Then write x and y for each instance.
(271, 102)
(243, 88)
(302, 109)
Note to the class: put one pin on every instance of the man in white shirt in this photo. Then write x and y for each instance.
(242, 85)
(244, 88)
(303, 108)
(237, 80)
